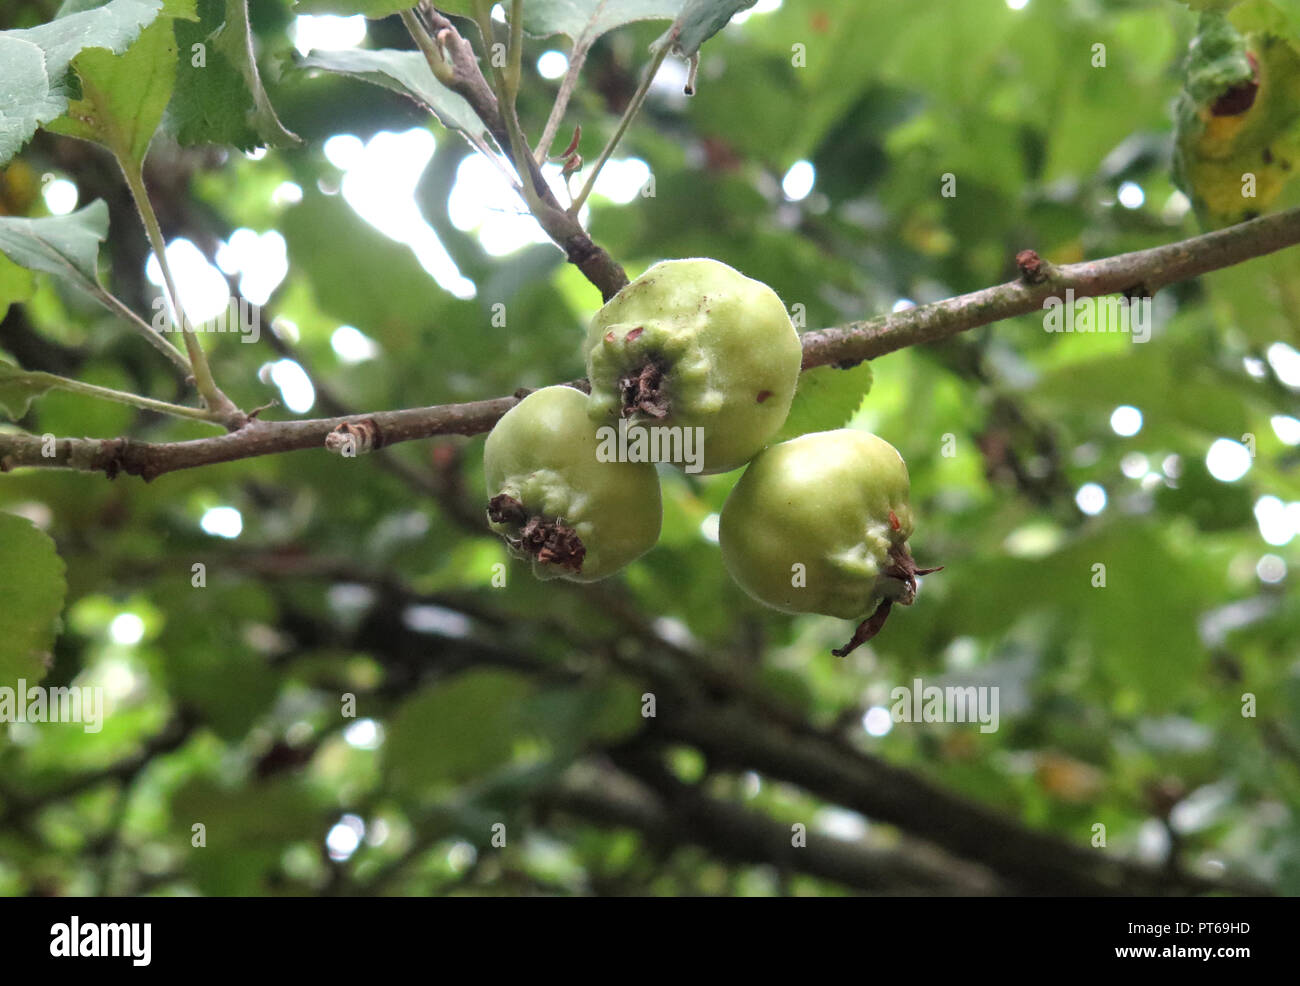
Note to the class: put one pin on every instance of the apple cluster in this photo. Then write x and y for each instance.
(818, 524)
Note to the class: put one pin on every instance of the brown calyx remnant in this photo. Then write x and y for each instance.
(549, 541)
(903, 571)
(505, 509)
(643, 391)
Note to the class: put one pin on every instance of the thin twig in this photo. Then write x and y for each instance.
(445, 72)
(629, 114)
(441, 68)
(595, 263)
(516, 144)
(216, 401)
(577, 58)
(56, 382)
(152, 335)
(514, 66)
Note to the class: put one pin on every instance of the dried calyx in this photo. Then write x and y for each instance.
(643, 391)
(696, 345)
(902, 571)
(549, 541)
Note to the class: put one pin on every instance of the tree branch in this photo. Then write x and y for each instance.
(611, 799)
(257, 437)
(597, 266)
(1134, 274)
(1030, 861)
(1142, 272)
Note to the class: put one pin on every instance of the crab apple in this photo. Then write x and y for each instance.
(820, 524)
(696, 344)
(555, 503)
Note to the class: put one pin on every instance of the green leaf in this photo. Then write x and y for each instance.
(1209, 4)
(570, 718)
(616, 711)
(16, 284)
(456, 730)
(27, 94)
(701, 20)
(34, 62)
(211, 103)
(65, 246)
(1176, 396)
(592, 18)
(18, 388)
(171, 8)
(219, 96)
(371, 8)
(475, 723)
(246, 830)
(114, 25)
(260, 815)
(32, 587)
(405, 72)
(123, 97)
(826, 399)
(207, 669)
(1261, 15)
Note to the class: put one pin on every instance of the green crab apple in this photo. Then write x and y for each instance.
(555, 503)
(696, 344)
(820, 524)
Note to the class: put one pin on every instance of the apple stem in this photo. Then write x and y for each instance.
(867, 629)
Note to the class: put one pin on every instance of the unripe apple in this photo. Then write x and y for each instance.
(696, 344)
(551, 499)
(819, 524)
